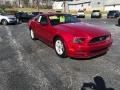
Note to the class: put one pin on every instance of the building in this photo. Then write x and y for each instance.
(106, 5)
(41, 3)
(89, 5)
(79, 5)
(111, 4)
(57, 5)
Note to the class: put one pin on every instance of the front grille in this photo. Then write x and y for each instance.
(99, 39)
(13, 19)
(99, 50)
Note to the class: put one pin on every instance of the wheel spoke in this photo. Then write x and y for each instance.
(59, 47)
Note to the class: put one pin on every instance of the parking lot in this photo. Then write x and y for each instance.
(32, 65)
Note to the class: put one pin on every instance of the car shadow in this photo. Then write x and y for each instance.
(12, 24)
(117, 25)
(89, 58)
(99, 84)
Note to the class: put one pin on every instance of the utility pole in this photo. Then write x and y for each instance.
(4, 2)
(32, 3)
(38, 4)
(103, 4)
(64, 3)
(19, 3)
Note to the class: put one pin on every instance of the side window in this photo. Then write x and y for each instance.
(43, 19)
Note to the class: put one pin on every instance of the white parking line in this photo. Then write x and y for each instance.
(14, 44)
(32, 70)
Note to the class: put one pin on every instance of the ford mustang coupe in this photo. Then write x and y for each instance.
(70, 37)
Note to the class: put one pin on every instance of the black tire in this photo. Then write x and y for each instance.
(92, 16)
(4, 22)
(78, 16)
(83, 17)
(119, 21)
(32, 35)
(64, 54)
(100, 16)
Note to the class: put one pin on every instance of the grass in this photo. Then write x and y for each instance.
(29, 9)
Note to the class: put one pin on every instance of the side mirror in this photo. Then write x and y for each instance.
(44, 23)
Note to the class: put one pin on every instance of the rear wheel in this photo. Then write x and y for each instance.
(32, 34)
(60, 48)
(4, 22)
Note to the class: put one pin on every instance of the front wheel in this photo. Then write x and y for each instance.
(60, 48)
(4, 22)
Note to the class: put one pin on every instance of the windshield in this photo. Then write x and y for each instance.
(113, 12)
(60, 19)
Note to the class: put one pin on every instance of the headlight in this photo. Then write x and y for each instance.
(78, 40)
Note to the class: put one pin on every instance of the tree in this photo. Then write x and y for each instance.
(25, 2)
(4, 6)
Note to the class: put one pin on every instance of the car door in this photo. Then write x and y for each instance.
(38, 28)
(44, 29)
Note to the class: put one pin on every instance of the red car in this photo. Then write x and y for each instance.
(70, 37)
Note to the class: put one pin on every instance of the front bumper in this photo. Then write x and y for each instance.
(95, 16)
(12, 21)
(89, 51)
(80, 16)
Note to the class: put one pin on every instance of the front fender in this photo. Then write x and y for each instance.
(67, 38)
(4, 18)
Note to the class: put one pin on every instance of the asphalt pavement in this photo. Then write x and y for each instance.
(32, 65)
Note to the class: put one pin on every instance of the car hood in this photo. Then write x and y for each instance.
(82, 29)
(10, 16)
